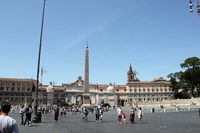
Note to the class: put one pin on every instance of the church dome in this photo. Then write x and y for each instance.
(110, 88)
(50, 88)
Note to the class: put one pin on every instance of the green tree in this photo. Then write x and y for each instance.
(186, 83)
(192, 74)
(178, 84)
(175, 79)
(191, 63)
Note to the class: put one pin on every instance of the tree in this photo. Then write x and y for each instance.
(192, 74)
(186, 83)
(175, 79)
(191, 63)
(178, 85)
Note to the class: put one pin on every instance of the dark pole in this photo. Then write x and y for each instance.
(35, 103)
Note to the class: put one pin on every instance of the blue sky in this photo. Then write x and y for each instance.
(154, 36)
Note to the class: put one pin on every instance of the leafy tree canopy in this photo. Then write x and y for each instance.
(192, 62)
(188, 80)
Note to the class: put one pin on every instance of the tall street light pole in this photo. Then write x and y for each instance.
(197, 6)
(35, 103)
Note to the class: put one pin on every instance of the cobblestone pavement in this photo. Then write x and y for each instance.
(165, 122)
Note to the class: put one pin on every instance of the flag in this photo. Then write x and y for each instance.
(42, 71)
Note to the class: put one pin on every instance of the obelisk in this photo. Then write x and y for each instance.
(86, 95)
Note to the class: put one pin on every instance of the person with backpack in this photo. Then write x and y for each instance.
(97, 114)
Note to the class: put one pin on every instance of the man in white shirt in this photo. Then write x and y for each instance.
(7, 124)
(119, 110)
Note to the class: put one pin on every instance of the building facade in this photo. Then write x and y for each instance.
(135, 92)
(17, 91)
(147, 91)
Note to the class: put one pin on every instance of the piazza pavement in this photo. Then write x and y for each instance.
(168, 121)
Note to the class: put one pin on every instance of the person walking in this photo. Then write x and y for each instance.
(21, 111)
(123, 117)
(132, 115)
(56, 113)
(101, 114)
(7, 124)
(119, 114)
(97, 114)
(140, 114)
(28, 112)
(85, 112)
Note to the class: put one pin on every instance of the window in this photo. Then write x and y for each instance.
(23, 88)
(2, 88)
(18, 88)
(143, 90)
(7, 88)
(28, 89)
(125, 90)
(13, 83)
(135, 90)
(18, 84)
(13, 89)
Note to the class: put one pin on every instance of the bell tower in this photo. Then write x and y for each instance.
(132, 75)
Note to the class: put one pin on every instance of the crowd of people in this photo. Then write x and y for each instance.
(8, 124)
(132, 113)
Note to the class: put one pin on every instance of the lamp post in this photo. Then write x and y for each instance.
(197, 6)
(35, 103)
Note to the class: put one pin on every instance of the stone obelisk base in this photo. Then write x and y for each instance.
(86, 100)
